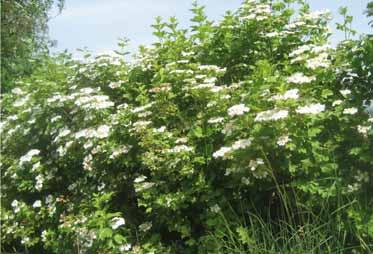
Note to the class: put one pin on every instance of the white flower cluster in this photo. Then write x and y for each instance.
(94, 102)
(164, 87)
(269, 115)
(345, 92)
(61, 134)
(142, 108)
(120, 150)
(364, 129)
(350, 111)
(116, 222)
(85, 99)
(216, 120)
(146, 226)
(37, 204)
(213, 68)
(87, 162)
(22, 101)
(320, 61)
(28, 156)
(180, 149)
(300, 50)
(114, 85)
(239, 144)
(337, 102)
(17, 91)
(125, 247)
(290, 94)
(283, 140)
(237, 110)
(253, 164)
(140, 125)
(16, 205)
(294, 25)
(300, 78)
(39, 182)
(258, 12)
(101, 132)
(182, 72)
(215, 208)
(311, 109)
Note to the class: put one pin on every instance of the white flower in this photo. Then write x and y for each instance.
(181, 140)
(15, 203)
(222, 152)
(54, 119)
(345, 92)
(44, 235)
(87, 90)
(180, 148)
(300, 50)
(21, 101)
(290, 94)
(269, 115)
(140, 179)
(215, 120)
(337, 102)
(49, 199)
(350, 111)
(27, 157)
(160, 129)
(144, 186)
(254, 164)
(311, 109)
(363, 129)
(300, 78)
(241, 144)
(119, 151)
(39, 182)
(215, 208)
(283, 140)
(87, 162)
(146, 226)
(17, 91)
(25, 240)
(117, 222)
(16, 206)
(37, 204)
(114, 85)
(141, 124)
(125, 247)
(238, 109)
(103, 131)
(142, 108)
(319, 61)
(35, 166)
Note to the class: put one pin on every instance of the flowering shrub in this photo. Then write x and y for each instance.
(106, 156)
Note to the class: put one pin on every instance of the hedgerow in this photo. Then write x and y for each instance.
(211, 132)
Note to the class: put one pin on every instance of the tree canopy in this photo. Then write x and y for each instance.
(24, 35)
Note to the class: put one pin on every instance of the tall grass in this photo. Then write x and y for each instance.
(296, 228)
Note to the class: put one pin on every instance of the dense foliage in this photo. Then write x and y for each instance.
(217, 132)
(24, 35)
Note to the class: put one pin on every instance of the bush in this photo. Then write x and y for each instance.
(218, 139)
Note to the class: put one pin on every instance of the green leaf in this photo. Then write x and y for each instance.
(119, 239)
(105, 233)
(198, 132)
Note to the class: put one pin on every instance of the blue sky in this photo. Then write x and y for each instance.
(98, 24)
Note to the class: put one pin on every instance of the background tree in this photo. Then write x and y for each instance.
(24, 35)
(369, 12)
